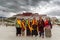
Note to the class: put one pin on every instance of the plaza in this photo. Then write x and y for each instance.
(9, 33)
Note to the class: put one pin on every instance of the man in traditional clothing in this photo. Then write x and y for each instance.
(23, 27)
(28, 27)
(34, 26)
(41, 27)
(18, 27)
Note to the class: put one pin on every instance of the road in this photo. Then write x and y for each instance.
(8, 33)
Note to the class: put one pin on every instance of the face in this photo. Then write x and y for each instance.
(40, 18)
(47, 18)
(18, 19)
(34, 18)
(28, 19)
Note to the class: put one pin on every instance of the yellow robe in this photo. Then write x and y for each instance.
(35, 22)
(19, 22)
(23, 26)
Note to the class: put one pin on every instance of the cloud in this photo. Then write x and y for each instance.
(15, 4)
(54, 13)
(6, 14)
(47, 8)
(41, 6)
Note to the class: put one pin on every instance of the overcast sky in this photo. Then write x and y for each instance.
(12, 7)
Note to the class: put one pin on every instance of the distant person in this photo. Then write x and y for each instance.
(18, 27)
(48, 27)
(41, 27)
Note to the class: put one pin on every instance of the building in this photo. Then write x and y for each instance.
(27, 15)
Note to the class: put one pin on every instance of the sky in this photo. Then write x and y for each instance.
(9, 8)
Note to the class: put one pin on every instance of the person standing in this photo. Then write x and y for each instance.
(28, 27)
(34, 26)
(41, 27)
(48, 27)
(23, 27)
(18, 27)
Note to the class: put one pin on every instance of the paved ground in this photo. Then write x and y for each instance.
(8, 33)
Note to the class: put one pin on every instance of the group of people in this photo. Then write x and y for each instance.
(34, 27)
